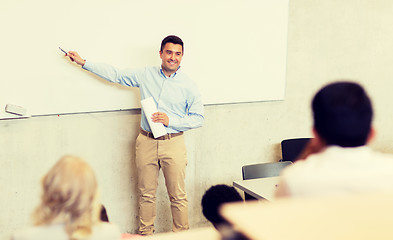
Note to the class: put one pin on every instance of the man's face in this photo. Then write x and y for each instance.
(171, 57)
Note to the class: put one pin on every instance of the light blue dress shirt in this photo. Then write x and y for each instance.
(177, 95)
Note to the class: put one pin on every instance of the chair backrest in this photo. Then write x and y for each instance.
(291, 148)
(263, 170)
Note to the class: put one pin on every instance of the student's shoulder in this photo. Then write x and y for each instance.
(383, 155)
(41, 232)
(104, 230)
(23, 234)
(299, 164)
(382, 160)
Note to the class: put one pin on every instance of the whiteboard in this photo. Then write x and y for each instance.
(235, 51)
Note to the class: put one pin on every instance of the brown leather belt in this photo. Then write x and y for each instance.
(165, 137)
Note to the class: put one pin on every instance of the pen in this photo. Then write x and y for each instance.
(63, 51)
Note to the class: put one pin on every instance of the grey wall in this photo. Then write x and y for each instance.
(327, 40)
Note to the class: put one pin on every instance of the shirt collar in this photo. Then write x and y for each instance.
(342, 150)
(172, 76)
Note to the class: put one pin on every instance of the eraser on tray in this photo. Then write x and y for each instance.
(14, 109)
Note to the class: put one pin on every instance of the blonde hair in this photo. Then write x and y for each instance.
(69, 197)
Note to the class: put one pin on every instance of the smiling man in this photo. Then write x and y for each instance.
(171, 56)
(180, 108)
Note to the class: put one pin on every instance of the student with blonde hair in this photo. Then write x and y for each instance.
(69, 207)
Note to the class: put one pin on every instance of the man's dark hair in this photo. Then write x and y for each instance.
(343, 114)
(172, 39)
(214, 197)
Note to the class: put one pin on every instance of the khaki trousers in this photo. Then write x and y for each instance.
(171, 156)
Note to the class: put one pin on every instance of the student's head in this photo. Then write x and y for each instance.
(69, 197)
(213, 198)
(171, 54)
(342, 114)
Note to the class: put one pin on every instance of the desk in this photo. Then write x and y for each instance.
(360, 217)
(260, 188)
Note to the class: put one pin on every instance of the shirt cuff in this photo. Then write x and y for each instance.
(87, 65)
(172, 122)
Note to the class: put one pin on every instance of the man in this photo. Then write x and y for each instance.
(180, 108)
(338, 161)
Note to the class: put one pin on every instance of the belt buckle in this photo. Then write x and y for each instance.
(164, 137)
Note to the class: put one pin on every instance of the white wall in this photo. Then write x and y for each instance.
(127, 34)
(327, 40)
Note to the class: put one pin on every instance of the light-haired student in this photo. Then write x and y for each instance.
(69, 208)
